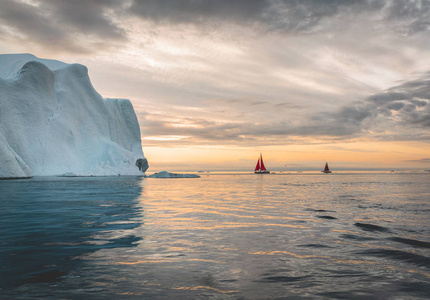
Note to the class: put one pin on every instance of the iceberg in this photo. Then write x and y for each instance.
(54, 123)
(165, 174)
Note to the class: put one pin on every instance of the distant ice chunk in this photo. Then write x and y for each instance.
(68, 174)
(53, 122)
(165, 174)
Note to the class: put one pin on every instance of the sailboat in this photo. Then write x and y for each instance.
(326, 169)
(260, 168)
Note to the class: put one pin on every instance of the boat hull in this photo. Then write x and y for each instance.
(262, 172)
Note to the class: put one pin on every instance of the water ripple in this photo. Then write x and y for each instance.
(371, 227)
(358, 236)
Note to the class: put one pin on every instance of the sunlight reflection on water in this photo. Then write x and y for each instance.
(219, 236)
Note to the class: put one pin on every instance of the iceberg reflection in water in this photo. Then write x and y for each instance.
(345, 236)
(48, 224)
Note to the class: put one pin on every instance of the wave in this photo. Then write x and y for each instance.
(318, 210)
(327, 217)
(356, 237)
(371, 227)
(416, 259)
(285, 279)
(315, 246)
(411, 242)
(345, 273)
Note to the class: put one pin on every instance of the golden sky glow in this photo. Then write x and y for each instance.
(344, 156)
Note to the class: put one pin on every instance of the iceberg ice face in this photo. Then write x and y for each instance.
(53, 122)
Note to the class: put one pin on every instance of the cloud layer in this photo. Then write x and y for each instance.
(80, 25)
(244, 72)
(400, 113)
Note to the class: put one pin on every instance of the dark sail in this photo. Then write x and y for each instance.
(326, 169)
(257, 167)
(263, 168)
(260, 168)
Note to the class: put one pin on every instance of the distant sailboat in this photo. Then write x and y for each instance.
(260, 168)
(326, 169)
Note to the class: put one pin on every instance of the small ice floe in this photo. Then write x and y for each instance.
(68, 174)
(165, 174)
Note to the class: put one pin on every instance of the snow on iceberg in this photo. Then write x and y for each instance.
(53, 122)
(165, 174)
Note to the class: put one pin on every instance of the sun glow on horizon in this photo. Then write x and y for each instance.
(352, 156)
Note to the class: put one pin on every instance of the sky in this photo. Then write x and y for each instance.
(216, 82)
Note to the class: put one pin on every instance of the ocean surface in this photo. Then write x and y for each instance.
(243, 236)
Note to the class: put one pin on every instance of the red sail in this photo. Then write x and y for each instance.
(326, 167)
(263, 168)
(257, 167)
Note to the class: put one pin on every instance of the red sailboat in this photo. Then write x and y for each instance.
(260, 168)
(326, 169)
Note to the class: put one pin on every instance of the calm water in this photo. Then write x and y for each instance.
(349, 236)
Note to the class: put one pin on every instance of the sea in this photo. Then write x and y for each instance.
(345, 235)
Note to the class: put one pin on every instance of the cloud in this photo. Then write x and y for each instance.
(28, 20)
(308, 15)
(188, 11)
(88, 16)
(295, 16)
(407, 104)
(69, 26)
(400, 113)
(94, 25)
(244, 103)
(423, 160)
(215, 132)
(409, 17)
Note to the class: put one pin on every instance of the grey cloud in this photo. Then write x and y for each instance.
(395, 106)
(287, 105)
(354, 115)
(87, 16)
(198, 11)
(306, 15)
(415, 105)
(416, 15)
(387, 97)
(423, 160)
(419, 103)
(59, 24)
(73, 25)
(238, 133)
(419, 119)
(408, 17)
(274, 14)
(201, 129)
(247, 102)
(29, 20)
(290, 15)
(403, 110)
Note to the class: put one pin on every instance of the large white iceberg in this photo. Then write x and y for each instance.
(53, 122)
